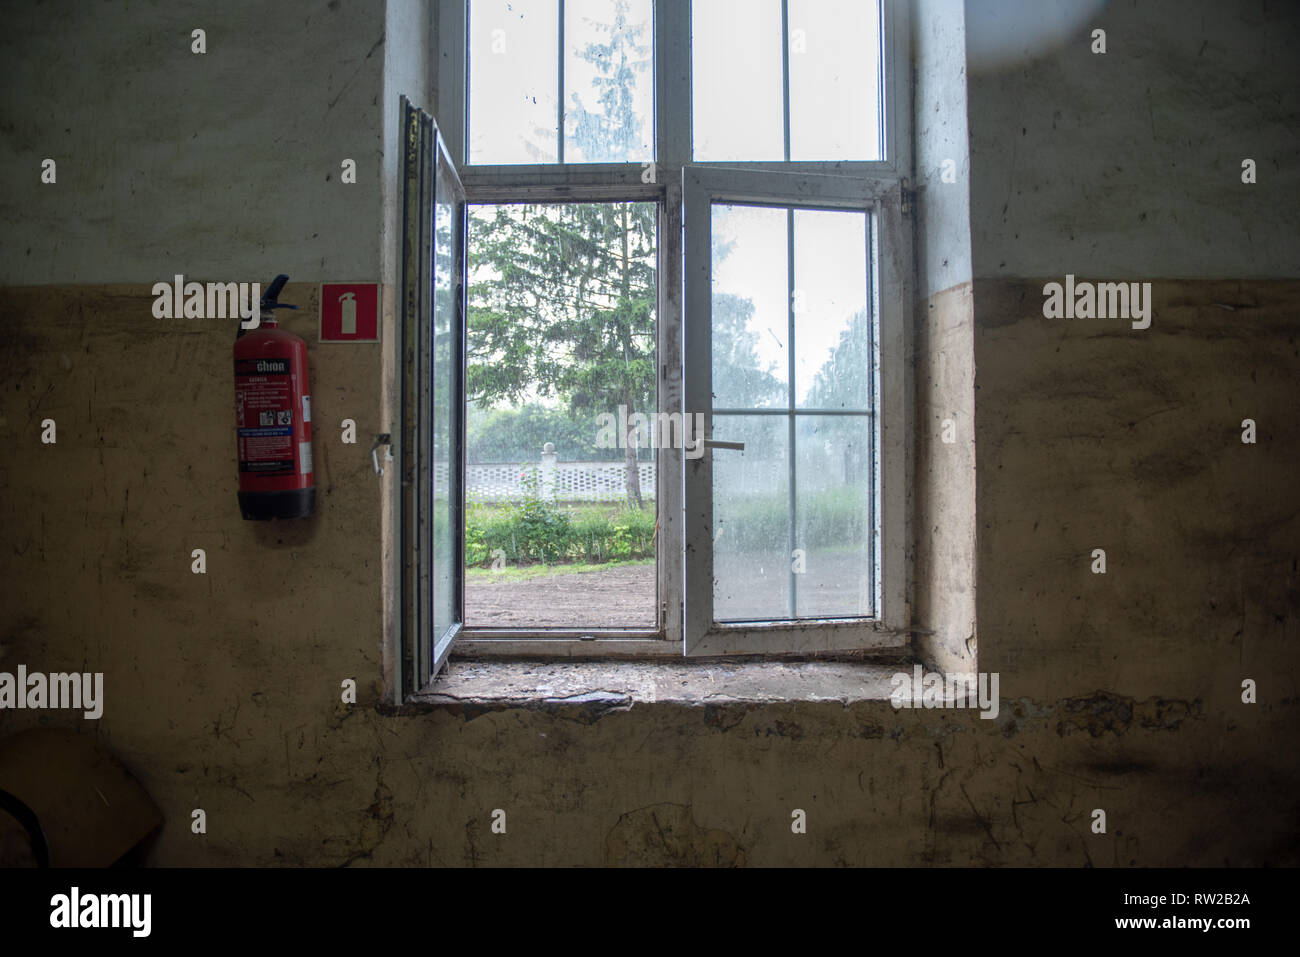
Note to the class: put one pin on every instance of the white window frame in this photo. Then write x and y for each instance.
(888, 294)
(879, 186)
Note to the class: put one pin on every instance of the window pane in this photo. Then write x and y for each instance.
(775, 557)
(833, 507)
(832, 344)
(608, 86)
(737, 86)
(751, 518)
(513, 79)
(445, 370)
(751, 318)
(834, 80)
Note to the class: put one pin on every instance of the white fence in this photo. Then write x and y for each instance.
(557, 481)
(819, 469)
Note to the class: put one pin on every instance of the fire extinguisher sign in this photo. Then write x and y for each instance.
(349, 312)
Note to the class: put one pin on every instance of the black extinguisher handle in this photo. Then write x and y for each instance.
(268, 301)
(273, 291)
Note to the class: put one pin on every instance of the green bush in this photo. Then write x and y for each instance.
(535, 530)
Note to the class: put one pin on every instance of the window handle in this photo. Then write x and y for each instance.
(718, 444)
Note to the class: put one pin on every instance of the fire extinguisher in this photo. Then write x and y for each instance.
(273, 417)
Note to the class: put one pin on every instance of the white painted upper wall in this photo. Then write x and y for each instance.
(942, 152)
(222, 166)
(1128, 164)
(225, 165)
(408, 71)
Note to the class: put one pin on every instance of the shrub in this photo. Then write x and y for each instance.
(534, 530)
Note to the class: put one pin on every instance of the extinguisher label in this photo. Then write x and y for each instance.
(304, 458)
(264, 416)
(266, 451)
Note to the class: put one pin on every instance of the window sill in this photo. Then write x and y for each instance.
(598, 687)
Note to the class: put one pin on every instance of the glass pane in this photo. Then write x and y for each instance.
(751, 315)
(776, 559)
(832, 335)
(833, 485)
(834, 80)
(561, 388)
(608, 86)
(513, 78)
(736, 80)
(751, 519)
(444, 395)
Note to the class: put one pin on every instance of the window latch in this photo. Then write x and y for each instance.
(384, 439)
(908, 195)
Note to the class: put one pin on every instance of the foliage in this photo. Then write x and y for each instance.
(517, 434)
(535, 530)
(562, 296)
(841, 382)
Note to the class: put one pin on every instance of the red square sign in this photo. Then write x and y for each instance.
(349, 312)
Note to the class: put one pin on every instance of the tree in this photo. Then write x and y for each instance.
(614, 133)
(562, 306)
(562, 302)
(739, 375)
(843, 383)
(518, 434)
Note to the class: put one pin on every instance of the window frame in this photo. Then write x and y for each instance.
(889, 292)
(425, 168)
(885, 180)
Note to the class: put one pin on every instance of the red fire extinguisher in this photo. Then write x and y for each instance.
(273, 417)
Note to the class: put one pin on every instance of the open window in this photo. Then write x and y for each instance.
(704, 203)
(430, 426)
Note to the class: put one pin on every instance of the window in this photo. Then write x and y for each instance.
(767, 141)
(806, 71)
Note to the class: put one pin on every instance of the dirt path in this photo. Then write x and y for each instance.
(622, 597)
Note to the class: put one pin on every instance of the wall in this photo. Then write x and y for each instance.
(222, 166)
(944, 516)
(1119, 691)
(1092, 434)
(1128, 163)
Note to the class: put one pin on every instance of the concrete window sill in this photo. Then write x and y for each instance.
(603, 686)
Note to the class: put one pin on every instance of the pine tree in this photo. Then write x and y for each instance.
(563, 303)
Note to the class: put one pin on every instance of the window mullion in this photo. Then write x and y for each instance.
(785, 76)
(792, 496)
(451, 78)
(672, 84)
(559, 99)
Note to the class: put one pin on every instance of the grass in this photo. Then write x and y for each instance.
(518, 573)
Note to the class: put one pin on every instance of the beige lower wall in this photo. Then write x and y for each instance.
(1092, 434)
(944, 484)
(1119, 691)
